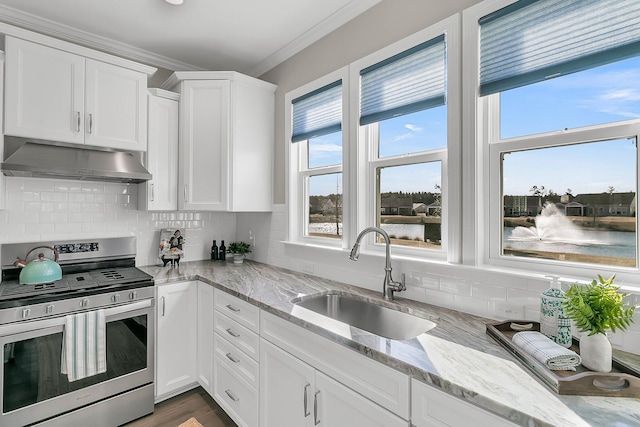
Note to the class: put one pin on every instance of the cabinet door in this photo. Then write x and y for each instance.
(176, 336)
(44, 92)
(116, 107)
(204, 145)
(161, 192)
(205, 336)
(431, 407)
(286, 389)
(338, 406)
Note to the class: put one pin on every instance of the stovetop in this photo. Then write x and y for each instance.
(109, 277)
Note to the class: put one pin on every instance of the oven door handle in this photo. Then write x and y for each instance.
(21, 327)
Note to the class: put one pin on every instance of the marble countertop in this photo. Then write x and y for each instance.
(456, 356)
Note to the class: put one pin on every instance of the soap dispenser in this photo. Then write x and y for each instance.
(554, 322)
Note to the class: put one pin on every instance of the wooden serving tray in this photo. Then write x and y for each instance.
(622, 381)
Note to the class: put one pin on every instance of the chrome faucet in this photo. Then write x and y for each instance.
(389, 286)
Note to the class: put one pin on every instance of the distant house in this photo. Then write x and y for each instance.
(608, 204)
(396, 205)
(420, 209)
(522, 205)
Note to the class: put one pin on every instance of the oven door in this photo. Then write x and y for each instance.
(34, 389)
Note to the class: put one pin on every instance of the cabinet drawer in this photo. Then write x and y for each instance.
(246, 314)
(432, 407)
(241, 337)
(239, 400)
(236, 360)
(379, 383)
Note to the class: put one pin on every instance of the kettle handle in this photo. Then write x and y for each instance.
(55, 253)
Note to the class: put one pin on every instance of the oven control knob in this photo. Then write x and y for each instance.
(49, 309)
(26, 312)
(84, 303)
(133, 295)
(115, 297)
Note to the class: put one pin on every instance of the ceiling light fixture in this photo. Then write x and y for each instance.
(175, 2)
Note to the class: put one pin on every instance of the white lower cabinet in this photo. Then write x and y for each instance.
(204, 360)
(294, 394)
(236, 358)
(434, 408)
(176, 343)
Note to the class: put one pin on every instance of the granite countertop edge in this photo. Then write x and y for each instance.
(272, 288)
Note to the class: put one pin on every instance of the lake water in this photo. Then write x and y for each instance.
(600, 243)
(407, 231)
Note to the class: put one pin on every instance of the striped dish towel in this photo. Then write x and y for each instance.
(84, 345)
(552, 355)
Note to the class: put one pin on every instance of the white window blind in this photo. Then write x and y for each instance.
(317, 113)
(533, 40)
(410, 81)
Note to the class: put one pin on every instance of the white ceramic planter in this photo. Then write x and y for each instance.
(238, 258)
(595, 352)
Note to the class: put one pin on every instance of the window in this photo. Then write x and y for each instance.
(386, 161)
(404, 135)
(560, 110)
(316, 161)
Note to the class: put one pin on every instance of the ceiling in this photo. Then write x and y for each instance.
(249, 36)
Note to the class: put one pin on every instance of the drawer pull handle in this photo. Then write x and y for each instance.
(306, 406)
(316, 421)
(232, 308)
(233, 334)
(233, 359)
(231, 395)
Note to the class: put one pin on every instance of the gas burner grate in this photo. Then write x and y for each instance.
(112, 274)
(44, 286)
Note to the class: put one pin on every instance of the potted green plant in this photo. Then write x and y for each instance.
(239, 250)
(597, 308)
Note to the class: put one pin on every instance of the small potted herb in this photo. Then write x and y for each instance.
(239, 250)
(597, 308)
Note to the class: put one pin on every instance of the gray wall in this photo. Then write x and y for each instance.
(382, 25)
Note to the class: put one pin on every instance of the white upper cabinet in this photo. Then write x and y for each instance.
(161, 192)
(226, 141)
(56, 95)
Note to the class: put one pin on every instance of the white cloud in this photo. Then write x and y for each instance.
(325, 148)
(413, 128)
(403, 137)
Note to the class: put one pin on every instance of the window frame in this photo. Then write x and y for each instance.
(297, 191)
(482, 127)
(367, 161)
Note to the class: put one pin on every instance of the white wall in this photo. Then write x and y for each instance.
(40, 210)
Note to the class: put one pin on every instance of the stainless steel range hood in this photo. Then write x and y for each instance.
(63, 162)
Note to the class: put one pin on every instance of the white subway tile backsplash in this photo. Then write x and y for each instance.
(529, 299)
(504, 311)
(488, 292)
(42, 210)
(454, 286)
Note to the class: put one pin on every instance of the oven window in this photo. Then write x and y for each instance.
(32, 366)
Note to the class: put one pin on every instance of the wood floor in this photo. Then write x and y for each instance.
(194, 403)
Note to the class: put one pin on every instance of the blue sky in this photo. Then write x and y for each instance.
(602, 95)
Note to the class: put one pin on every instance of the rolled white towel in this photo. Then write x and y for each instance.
(543, 349)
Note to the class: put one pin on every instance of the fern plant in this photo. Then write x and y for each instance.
(598, 307)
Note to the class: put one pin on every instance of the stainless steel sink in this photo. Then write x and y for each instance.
(362, 314)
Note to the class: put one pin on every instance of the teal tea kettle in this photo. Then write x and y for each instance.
(39, 270)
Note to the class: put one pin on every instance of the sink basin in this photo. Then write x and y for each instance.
(383, 321)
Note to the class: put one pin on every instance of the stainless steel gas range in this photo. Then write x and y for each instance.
(98, 277)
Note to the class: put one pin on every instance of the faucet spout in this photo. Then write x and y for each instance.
(389, 286)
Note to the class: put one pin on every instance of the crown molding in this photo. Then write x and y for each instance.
(331, 23)
(73, 35)
(50, 28)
